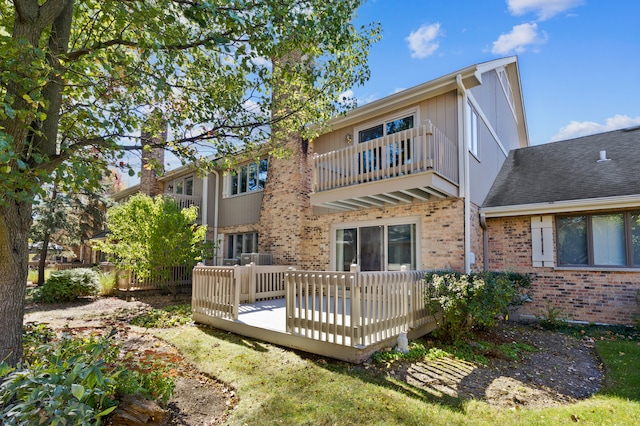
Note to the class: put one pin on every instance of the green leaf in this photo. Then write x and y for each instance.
(77, 391)
(106, 411)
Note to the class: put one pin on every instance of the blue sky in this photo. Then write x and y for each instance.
(579, 59)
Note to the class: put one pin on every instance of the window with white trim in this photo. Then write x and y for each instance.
(247, 178)
(399, 152)
(241, 243)
(603, 239)
(181, 186)
(380, 246)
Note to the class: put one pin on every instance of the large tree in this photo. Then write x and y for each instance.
(77, 78)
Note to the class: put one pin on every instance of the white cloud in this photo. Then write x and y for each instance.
(520, 37)
(575, 129)
(423, 42)
(346, 95)
(545, 9)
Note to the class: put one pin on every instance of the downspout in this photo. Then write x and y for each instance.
(465, 178)
(215, 218)
(205, 207)
(485, 242)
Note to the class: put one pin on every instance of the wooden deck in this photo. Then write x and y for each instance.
(347, 316)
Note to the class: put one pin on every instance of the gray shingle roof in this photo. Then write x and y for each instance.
(570, 170)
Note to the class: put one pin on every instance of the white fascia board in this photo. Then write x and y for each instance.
(470, 76)
(621, 202)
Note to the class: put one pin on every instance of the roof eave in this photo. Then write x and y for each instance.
(619, 202)
(471, 77)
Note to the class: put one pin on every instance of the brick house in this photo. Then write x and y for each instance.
(398, 181)
(402, 181)
(568, 213)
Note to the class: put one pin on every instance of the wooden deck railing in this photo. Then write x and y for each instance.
(216, 291)
(421, 149)
(220, 289)
(354, 308)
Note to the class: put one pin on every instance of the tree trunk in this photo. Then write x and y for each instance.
(42, 262)
(15, 222)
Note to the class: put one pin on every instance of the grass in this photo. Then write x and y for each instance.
(622, 364)
(33, 275)
(278, 386)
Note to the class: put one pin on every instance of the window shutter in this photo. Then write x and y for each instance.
(542, 241)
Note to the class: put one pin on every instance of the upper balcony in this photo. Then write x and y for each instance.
(411, 165)
(186, 201)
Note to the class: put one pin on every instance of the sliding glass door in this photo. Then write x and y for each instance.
(383, 247)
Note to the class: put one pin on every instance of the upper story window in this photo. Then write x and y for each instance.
(386, 128)
(608, 239)
(247, 178)
(181, 186)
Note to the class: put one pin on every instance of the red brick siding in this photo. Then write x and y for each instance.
(583, 295)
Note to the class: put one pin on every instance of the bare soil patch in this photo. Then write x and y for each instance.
(561, 370)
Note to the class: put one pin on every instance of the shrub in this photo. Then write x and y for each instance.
(74, 380)
(471, 300)
(68, 285)
(63, 382)
(107, 283)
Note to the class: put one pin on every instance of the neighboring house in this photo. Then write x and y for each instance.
(568, 213)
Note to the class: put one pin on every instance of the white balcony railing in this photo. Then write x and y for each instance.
(185, 201)
(416, 150)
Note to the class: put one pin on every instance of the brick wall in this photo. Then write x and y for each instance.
(441, 225)
(584, 295)
(285, 204)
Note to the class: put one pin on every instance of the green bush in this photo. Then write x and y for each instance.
(63, 381)
(468, 301)
(74, 380)
(107, 283)
(68, 285)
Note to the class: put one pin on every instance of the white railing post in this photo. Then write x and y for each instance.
(356, 311)
(251, 267)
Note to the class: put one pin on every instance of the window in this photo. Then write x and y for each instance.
(472, 124)
(248, 178)
(182, 186)
(241, 243)
(376, 247)
(611, 239)
(399, 152)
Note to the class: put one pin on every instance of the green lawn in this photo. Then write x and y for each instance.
(278, 386)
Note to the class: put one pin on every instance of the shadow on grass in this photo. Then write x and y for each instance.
(236, 339)
(371, 376)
